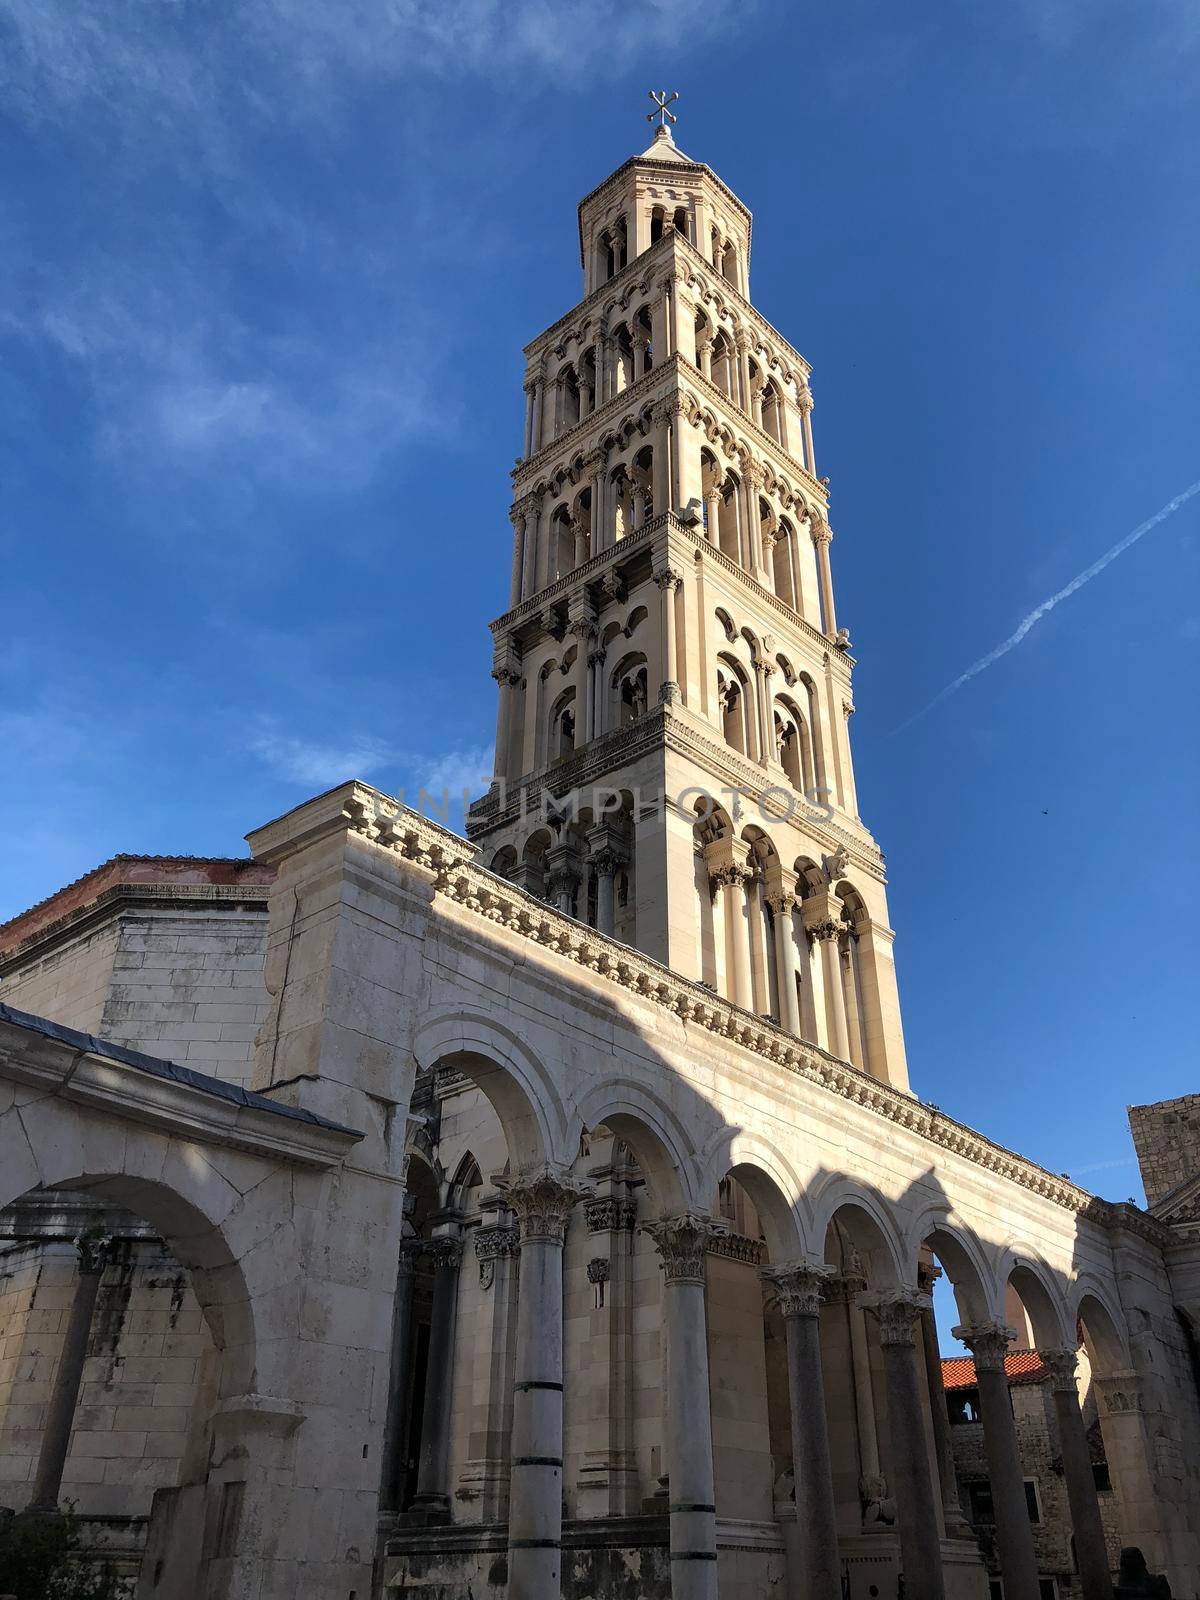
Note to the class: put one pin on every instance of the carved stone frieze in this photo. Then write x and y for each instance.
(608, 1214)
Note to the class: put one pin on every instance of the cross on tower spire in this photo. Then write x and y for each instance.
(661, 101)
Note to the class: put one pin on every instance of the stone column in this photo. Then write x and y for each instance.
(505, 679)
(899, 1312)
(540, 436)
(704, 358)
(1091, 1553)
(564, 875)
(737, 940)
(682, 1243)
(542, 1201)
(798, 1287)
(956, 1524)
(712, 501)
(988, 1342)
(517, 518)
(782, 902)
(68, 1375)
(391, 1487)
(669, 582)
(432, 1500)
(528, 420)
(826, 933)
(755, 478)
(823, 538)
(763, 672)
(742, 341)
(806, 406)
(856, 1044)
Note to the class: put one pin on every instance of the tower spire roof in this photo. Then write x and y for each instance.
(663, 148)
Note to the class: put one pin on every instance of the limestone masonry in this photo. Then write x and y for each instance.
(548, 1212)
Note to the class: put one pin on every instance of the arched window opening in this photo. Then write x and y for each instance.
(729, 264)
(771, 419)
(783, 564)
(634, 696)
(642, 478)
(680, 221)
(732, 700)
(587, 382)
(787, 750)
(629, 690)
(656, 224)
(562, 726)
(729, 521)
(568, 398)
(620, 498)
(643, 346)
(623, 357)
(562, 543)
(853, 916)
(724, 365)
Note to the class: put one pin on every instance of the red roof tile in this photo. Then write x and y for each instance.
(1023, 1366)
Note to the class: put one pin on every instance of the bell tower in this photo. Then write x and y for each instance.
(672, 741)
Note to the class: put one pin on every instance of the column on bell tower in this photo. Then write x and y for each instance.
(671, 637)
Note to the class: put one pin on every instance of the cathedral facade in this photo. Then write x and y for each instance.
(555, 1217)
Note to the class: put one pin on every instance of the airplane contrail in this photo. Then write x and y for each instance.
(1039, 612)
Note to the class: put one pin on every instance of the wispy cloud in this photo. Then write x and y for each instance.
(1048, 605)
(186, 114)
(319, 764)
(463, 769)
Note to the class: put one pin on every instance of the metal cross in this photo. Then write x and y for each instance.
(661, 101)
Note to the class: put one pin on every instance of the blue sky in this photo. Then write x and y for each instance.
(265, 273)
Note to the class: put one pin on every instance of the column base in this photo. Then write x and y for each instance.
(426, 1511)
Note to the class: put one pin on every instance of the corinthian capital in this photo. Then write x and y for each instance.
(988, 1342)
(898, 1312)
(542, 1200)
(683, 1242)
(1062, 1366)
(799, 1286)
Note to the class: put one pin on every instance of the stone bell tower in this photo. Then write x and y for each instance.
(672, 750)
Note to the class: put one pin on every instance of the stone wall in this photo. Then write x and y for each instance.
(139, 1378)
(69, 983)
(1166, 1137)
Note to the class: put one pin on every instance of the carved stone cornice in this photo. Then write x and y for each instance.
(988, 1343)
(608, 1214)
(542, 1200)
(683, 1242)
(496, 1241)
(736, 1247)
(450, 860)
(799, 1286)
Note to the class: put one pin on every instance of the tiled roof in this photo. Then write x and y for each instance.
(1023, 1366)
